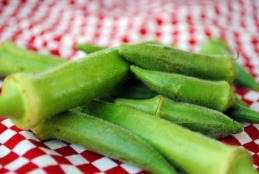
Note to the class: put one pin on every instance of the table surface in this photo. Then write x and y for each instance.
(54, 27)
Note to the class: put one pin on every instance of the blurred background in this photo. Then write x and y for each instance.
(55, 27)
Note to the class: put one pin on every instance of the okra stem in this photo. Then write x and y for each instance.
(105, 138)
(169, 59)
(63, 87)
(192, 152)
(197, 118)
(217, 95)
(219, 46)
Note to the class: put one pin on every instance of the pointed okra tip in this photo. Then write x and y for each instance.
(135, 69)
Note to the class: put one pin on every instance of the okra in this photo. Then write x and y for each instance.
(216, 95)
(30, 98)
(209, 122)
(191, 152)
(103, 137)
(169, 59)
(14, 59)
(89, 48)
(219, 46)
(243, 114)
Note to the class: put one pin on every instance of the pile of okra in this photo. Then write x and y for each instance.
(151, 105)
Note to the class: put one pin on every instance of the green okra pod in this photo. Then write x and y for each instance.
(103, 137)
(14, 59)
(169, 59)
(219, 46)
(192, 152)
(244, 78)
(242, 113)
(89, 48)
(217, 95)
(209, 122)
(30, 98)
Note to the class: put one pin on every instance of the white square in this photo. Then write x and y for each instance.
(44, 161)
(4, 151)
(256, 126)
(78, 148)
(6, 135)
(255, 106)
(49, 151)
(7, 122)
(54, 144)
(252, 96)
(243, 138)
(37, 171)
(130, 168)
(77, 159)
(23, 147)
(28, 135)
(16, 164)
(104, 164)
(70, 169)
(257, 142)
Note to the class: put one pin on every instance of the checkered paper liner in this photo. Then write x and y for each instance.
(54, 27)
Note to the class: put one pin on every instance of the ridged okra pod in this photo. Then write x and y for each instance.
(243, 114)
(169, 59)
(219, 46)
(14, 59)
(105, 138)
(192, 152)
(217, 95)
(30, 98)
(209, 122)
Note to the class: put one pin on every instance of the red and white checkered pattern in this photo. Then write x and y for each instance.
(54, 27)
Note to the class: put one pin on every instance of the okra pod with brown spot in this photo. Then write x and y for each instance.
(30, 98)
(191, 152)
(209, 122)
(105, 138)
(217, 95)
(169, 59)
